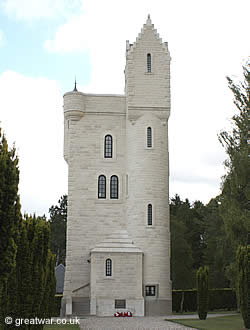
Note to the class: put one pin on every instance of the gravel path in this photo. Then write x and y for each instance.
(127, 323)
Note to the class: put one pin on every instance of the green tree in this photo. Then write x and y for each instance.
(58, 222)
(181, 257)
(34, 277)
(235, 185)
(243, 272)
(192, 219)
(49, 295)
(202, 292)
(218, 247)
(196, 234)
(10, 217)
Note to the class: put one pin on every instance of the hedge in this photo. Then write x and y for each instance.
(218, 299)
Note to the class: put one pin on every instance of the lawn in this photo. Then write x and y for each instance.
(234, 322)
(61, 327)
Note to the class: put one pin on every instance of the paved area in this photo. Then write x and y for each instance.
(195, 316)
(129, 323)
(138, 323)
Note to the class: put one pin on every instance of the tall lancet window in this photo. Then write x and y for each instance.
(149, 137)
(108, 146)
(150, 215)
(114, 186)
(149, 62)
(102, 186)
(108, 267)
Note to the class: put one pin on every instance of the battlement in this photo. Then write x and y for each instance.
(148, 26)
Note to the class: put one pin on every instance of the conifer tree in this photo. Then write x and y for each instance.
(49, 296)
(58, 221)
(10, 218)
(34, 276)
(202, 292)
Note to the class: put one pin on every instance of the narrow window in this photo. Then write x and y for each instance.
(149, 214)
(108, 146)
(114, 187)
(102, 186)
(149, 137)
(108, 267)
(126, 184)
(150, 290)
(149, 62)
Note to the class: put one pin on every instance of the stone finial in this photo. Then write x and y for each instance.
(149, 20)
(75, 89)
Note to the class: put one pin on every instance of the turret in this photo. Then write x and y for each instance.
(73, 106)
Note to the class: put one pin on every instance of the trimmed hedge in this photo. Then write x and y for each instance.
(218, 299)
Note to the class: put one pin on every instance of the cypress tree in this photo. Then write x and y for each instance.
(243, 261)
(10, 219)
(202, 292)
(50, 286)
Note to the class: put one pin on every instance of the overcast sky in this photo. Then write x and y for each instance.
(44, 44)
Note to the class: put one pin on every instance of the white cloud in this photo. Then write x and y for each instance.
(37, 9)
(68, 37)
(33, 119)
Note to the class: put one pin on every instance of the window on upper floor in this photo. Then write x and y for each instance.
(114, 187)
(108, 267)
(108, 146)
(102, 186)
(150, 215)
(149, 137)
(148, 62)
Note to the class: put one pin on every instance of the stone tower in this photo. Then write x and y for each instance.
(116, 147)
(147, 111)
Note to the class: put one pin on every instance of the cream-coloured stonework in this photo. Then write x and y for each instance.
(98, 229)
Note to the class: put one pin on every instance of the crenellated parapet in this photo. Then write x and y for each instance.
(148, 26)
(147, 72)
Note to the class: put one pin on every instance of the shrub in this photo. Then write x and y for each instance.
(218, 299)
(202, 292)
(222, 299)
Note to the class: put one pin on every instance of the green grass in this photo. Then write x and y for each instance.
(61, 327)
(234, 322)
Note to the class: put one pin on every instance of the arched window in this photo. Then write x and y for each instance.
(150, 215)
(114, 185)
(108, 267)
(102, 186)
(108, 146)
(149, 62)
(149, 137)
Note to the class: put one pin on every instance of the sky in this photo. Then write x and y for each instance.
(45, 44)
